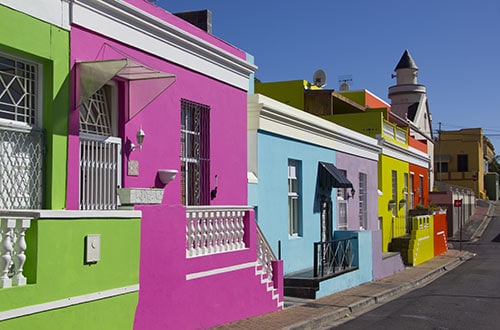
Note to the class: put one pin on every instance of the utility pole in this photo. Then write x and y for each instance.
(440, 156)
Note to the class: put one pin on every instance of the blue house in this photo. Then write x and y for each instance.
(299, 195)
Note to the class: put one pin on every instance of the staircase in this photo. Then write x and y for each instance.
(266, 280)
(401, 244)
(301, 287)
(264, 267)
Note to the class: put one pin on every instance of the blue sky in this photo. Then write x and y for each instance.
(455, 44)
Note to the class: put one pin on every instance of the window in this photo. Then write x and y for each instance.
(405, 189)
(412, 192)
(21, 148)
(100, 151)
(442, 167)
(18, 90)
(395, 192)
(421, 190)
(293, 198)
(462, 163)
(363, 209)
(195, 153)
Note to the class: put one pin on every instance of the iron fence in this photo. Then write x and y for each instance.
(334, 257)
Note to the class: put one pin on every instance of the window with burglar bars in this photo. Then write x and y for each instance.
(21, 141)
(100, 153)
(195, 153)
(363, 207)
(18, 89)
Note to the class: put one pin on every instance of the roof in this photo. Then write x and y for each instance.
(406, 62)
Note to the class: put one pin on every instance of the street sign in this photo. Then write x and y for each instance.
(457, 203)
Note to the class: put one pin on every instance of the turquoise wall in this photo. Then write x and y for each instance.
(270, 196)
(364, 262)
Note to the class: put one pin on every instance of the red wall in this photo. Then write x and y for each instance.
(417, 171)
(440, 234)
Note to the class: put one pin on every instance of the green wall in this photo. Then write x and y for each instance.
(288, 92)
(56, 270)
(368, 123)
(35, 40)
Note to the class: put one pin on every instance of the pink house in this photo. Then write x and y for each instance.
(158, 118)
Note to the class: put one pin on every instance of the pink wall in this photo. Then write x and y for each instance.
(183, 25)
(161, 122)
(168, 301)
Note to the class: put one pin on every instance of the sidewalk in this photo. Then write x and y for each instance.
(323, 312)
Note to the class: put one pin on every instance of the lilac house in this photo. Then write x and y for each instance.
(158, 123)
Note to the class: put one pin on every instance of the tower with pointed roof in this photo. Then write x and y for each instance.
(409, 101)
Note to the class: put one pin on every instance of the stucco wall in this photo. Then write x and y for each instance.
(47, 45)
(272, 198)
(169, 300)
(160, 121)
(57, 274)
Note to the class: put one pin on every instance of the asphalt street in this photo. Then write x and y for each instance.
(468, 297)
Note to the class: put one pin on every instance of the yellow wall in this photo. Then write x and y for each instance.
(464, 141)
(421, 246)
(391, 226)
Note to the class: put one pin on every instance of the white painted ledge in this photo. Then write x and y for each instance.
(70, 301)
(71, 214)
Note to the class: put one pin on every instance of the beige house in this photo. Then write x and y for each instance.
(461, 159)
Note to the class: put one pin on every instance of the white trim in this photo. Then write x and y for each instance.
(218, 271)
(123, 22)
(50, 11)
(267, 114)
(71, 214)
(70, 301)
(410, 155)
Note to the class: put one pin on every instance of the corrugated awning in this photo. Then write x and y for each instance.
(332, 176)
(145, 83)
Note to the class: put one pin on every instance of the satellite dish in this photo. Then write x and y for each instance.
(319, 78)
(344, 87)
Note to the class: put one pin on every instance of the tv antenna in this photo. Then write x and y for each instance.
(319, 78)
(344, 82)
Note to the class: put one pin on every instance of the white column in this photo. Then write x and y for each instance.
(7, 230)
(19, 248)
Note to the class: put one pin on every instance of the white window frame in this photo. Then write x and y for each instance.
(363, 201)
(294, 219)
(38, 111)
(394, 175)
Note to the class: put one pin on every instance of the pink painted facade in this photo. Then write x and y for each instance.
(178, 291)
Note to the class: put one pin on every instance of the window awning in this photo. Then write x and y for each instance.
(145, 83)
(332, 176)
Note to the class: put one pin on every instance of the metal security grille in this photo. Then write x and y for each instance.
(195, 153)
(100, 154)
(18, 86)
(21, 168)
(99, 169)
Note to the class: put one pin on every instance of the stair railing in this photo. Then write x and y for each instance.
(265, 255)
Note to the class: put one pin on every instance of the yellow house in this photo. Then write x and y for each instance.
(461, 160)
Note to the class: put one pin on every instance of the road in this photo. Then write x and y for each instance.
(468, 297)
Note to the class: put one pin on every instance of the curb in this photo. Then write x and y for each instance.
(382, 297)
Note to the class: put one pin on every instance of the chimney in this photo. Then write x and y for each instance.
(200, 18)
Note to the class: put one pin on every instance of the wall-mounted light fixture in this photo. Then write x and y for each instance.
(353, 192)
(140, 140)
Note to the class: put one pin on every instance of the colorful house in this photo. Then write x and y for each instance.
(142, 218)
(60, 267)
(461, 159)
(315, 209)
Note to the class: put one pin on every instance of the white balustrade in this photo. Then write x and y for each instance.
(12, 251)
(214, 229)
